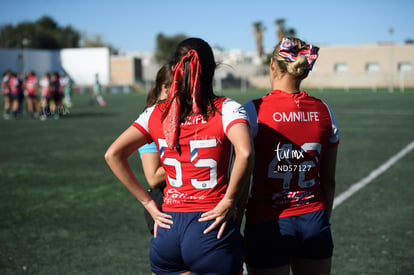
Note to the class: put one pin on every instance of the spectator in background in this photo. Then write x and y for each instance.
(15, 93)
(5, 87)
(56, 96)
(66, 86)
(20, 85)
(97, 93)
(33, 104)
(45, 96)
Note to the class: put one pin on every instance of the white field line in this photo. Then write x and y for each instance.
(374, 174)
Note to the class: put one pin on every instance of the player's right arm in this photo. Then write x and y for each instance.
(117, 158)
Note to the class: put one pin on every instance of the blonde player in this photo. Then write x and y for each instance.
(296, 138)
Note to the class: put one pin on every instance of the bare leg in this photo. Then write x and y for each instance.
(7, 107)
(29, 105)
(15, 107)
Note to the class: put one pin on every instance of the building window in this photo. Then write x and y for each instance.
(341, 68)
(372, 68)
(404, 67)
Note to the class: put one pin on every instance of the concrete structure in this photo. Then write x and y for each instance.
(364, 66)
(125, 70)
(82, 64)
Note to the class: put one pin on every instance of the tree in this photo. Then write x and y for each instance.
(166, 46)
(258, 33)
(44, 33)
(280, 23)
(282, 31)
(95, 40)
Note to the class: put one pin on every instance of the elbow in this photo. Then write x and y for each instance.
(110, 155)
(156, 179)
(151, 180)
(247, 155)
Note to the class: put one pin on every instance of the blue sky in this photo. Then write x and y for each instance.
(132, 25)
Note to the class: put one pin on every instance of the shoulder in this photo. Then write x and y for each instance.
(312, 98)
(144, 117)
(232, 107)
(232, 113)
(146, 114)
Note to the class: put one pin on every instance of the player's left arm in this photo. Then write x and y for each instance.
(153, 170)
(327, 175)
(239, 136)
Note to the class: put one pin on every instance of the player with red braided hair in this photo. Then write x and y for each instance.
(197, 231)
(296, 138)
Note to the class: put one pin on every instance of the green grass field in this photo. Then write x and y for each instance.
(63, 212)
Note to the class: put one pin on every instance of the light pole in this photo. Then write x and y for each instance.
(25, 43)
(391, 67)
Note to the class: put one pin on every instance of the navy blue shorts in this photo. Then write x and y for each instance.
(15, 96)
(275, 243)
(184, 247)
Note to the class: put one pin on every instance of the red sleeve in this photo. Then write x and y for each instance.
(240, 120)
(143, 131)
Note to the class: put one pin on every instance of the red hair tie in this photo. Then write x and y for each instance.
(173, 106)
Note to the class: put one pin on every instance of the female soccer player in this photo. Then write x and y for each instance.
(296, 138)
(97, 92)
(151, 163)
(5, 86)
(194, 131)
(15, 84)
(45, 96)
(33, 105)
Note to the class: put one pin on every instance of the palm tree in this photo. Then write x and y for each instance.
(282, 31)
(280, 23)
(258, 33)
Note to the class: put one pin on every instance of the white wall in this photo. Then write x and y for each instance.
(84, 63)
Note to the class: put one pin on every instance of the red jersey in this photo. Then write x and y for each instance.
(5, 85)
(31, 85)
(197, 172)
(14, 85)
(291, 134)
